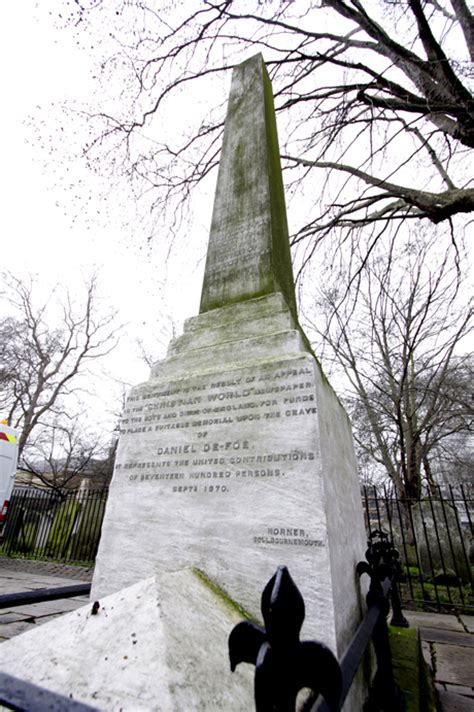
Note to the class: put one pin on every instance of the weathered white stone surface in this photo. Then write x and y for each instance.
(249, 251)
(246, 332)
(238, 471)
(159, 645)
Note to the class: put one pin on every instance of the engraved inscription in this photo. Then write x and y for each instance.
(189, 450)
(220, 402)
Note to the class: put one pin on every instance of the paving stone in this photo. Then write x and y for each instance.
(12, 617)
(7, 587)
(16, 576)
(11, 573)
(468, 622)
(11, 565)
(19, 586)
(451, 702)
(31, 584)
(47, 619)
(426, 652)
(460, 689)
(438, 635)
(454, 665)
(47, 608)
(31, 581)
(433, 620)
(38, 580)
(51, 583)
(80, 600)
(9, 630)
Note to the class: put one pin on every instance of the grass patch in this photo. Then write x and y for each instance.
(427, 595)
(412, 571)
(410, 671)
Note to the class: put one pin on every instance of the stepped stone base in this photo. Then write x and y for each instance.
(237, 457)
(159, 645)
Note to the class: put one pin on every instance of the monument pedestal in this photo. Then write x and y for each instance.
(159, 645)
(236, 457)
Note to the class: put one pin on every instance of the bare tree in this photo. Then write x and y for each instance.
(42, 365)
(453, 454)
(375, 104)
(62, 457)
(397, 354)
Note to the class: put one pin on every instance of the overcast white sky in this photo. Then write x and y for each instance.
(51, 226)
(57, 232)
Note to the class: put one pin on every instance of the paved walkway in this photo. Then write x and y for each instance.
(448, 648)
(30, 566)
(447, 640)
(17, 575)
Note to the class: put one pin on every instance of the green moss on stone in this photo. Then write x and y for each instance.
(224, 596)
(281, 255)
(250, 172)
(410, 671)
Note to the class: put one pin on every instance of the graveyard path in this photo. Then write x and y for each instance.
(447, 640)
(18, 575)
(46, 568)
(448, 648)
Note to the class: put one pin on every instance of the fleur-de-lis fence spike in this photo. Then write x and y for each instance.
(284, 664)
(383, 560)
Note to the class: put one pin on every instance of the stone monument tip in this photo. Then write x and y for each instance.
(249, 251)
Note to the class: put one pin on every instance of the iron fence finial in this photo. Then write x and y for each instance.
(284, 664)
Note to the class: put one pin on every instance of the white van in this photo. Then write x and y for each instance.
(8, 463)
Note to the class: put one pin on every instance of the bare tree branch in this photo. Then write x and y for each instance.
(354, 97)
(41, 363)
(398, 346)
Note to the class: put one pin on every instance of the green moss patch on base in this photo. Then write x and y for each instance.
(224, 596)
(410, 670)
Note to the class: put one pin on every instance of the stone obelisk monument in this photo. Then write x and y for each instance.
(236, 456)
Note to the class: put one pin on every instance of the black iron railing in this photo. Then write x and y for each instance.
(434, 536)
(40, 595)
(43, 525)
(285, 665)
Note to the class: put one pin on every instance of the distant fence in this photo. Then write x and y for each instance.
(434, 536)
(43, 525)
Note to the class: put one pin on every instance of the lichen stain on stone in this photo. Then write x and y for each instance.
(227, 600)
